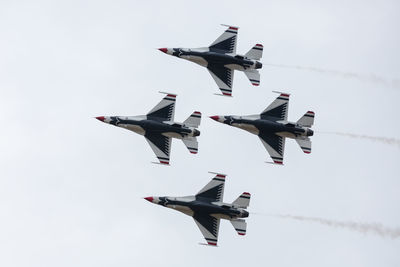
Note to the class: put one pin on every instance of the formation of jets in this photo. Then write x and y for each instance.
(271, 126)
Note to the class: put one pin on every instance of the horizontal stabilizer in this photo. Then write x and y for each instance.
(256, 52)
(253, 76)
(191, 144)
(193, 120)
(305, 144)
(240, 226)
(242, 201)
(307, 120)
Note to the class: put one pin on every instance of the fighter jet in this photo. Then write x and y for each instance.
(158, 127)
(207, 208)
(272, 127)
(221, 60)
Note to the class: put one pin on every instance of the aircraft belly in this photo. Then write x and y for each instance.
(172, 135)
(221, 216)
(198, 60)
(286, 134)
(184, 209)
(135, 128)
(247, 127)
(234, 67)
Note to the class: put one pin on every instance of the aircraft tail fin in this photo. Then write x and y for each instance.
(239, 225)
(305, 144)
(191, 144)
(255, 52)
(307, 120)
(254, 76)
(193, 120)
(242, 201)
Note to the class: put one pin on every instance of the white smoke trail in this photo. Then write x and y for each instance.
(371, 78)
(386, 140)
(365, 228)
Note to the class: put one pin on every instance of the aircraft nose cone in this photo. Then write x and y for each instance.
(150, 199)
(101, 118)
(165, 50)
(216, 118)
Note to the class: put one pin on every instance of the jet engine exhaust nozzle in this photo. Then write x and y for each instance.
(196, 133)
(245, 214)
(258, 65)
(310, 132)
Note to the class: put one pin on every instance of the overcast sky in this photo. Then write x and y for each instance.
(71, 187)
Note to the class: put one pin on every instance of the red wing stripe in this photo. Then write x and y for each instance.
(283, 98)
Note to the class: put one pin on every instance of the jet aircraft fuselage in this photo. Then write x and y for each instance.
(144, 125)
(256, 125)
(204, 57)
(196, 205)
